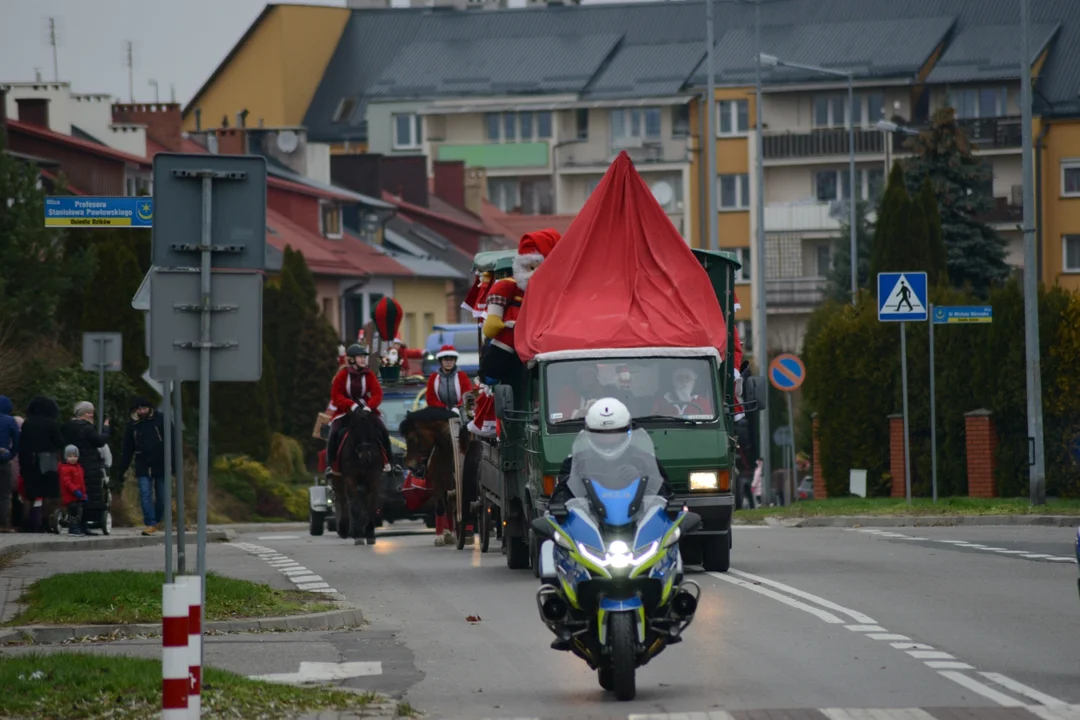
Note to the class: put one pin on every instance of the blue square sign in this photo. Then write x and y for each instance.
(902, 297)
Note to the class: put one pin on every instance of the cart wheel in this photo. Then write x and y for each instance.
(460, 530)
(106, 523)
(483, 525)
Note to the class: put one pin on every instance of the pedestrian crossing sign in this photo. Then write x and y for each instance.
(902, 297)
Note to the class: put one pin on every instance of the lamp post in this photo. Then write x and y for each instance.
(761, 317)
(889, 128)
(773, 61)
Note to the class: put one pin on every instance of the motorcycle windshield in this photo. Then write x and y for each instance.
(615, 465)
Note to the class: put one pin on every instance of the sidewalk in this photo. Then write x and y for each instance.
(119, 539)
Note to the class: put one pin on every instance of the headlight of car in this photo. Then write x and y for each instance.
(703, 480)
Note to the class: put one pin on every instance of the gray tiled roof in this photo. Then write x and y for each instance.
(988, 52)
(494, 66)
(886, 37)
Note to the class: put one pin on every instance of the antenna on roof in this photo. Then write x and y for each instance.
(54, 41)
(130, 62)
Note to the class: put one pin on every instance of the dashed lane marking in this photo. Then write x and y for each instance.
(964, 544)
(297, 574)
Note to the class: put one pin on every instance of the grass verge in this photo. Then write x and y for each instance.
(918, 507)
(81, 685)
(128, 596)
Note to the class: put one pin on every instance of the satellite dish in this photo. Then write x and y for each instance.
(287, 141)
(663, 192)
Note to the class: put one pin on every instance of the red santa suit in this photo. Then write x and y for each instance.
(738, 360)
(459, 382)
(353, 388)
(683, 400)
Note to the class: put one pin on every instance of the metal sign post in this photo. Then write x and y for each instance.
(902, 298)
(787, 374)
(178, 464)
(954, 315)
(102, 352)
(167, 419)
(230, 198)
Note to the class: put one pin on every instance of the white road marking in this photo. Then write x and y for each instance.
(985, 690)
(279, 537)
(309, 578)
(887, 636)
(314, 586)
(312, 672)
(295, 571)
(1010, 684)
(1069, 712)
(1027, 555)
(856, 616)
(947, 665)
(821, 614)
(865, 628)
(911, 646)
(930, 655)
(300, 576)
(891, 714)
(711, 715)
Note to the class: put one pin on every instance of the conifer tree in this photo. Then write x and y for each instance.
(106, 304)
(937, 270)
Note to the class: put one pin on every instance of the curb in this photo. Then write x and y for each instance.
(105, 543)
(848, 521)
(260, 527)
(48, 635)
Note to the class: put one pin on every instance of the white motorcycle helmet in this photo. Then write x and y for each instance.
(607, 426)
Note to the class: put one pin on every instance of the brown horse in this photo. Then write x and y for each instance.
(356, 487)
(429, 454)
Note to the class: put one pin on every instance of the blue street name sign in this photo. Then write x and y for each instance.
(958, 314)
(902, 297)
(68, 211)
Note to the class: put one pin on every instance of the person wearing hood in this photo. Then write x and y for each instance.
(9, 452)
(40, 446)
(144, 442)
(80, 432)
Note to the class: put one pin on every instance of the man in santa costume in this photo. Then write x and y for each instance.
(499, 361)
(682, 400)
(355, 389)
(447, 386)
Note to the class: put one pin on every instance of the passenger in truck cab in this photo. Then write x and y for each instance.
(683, 401)
(575, 399)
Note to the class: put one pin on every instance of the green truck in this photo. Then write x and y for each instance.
(508, 481)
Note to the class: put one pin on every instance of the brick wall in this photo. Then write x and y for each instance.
(981, 452)
(819, 473)
(896, 455)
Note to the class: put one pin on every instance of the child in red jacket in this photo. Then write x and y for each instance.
(73, 490)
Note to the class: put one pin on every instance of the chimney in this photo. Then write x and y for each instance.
(450, 181)
(475, 190)
(164, 124)
(231, 141)
(406, 177)
(360, 173)
(34, 111)
(241, 118)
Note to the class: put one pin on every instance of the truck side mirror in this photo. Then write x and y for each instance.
(504, 400)
(755, 393)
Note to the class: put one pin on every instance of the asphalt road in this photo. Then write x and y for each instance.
(980, 618)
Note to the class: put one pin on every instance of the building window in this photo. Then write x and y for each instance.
(492, 120)
(503, 193)
(509, 126)
(525, 119)
(1070, 250)
(734, 192)
(824, 260)
(429, 324)
(590, 186)
(543, 124)
(407, 131)
(330, 219)
(680, 121)
(328, 308)
(972, 103)
(874, 185)
(1070, 178)
(582, 122)
(526, 126)
(832, 185)
(635, 123)
(408, 328)
(744, 274)
(875, 108)
(345, 110)
(829, 111)
(733, 117)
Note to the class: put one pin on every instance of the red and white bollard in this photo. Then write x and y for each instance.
(174, 652)
(192, 586)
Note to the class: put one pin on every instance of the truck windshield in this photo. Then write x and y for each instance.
(654, 388)
(394, 406)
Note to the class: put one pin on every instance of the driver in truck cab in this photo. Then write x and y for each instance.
(607, 430)
(682, 400)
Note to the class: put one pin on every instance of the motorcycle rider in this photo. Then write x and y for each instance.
(607, 432)
(355, 389)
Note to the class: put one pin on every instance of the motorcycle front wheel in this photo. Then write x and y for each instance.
(623, 638)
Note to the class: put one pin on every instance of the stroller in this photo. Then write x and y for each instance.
(96, 513)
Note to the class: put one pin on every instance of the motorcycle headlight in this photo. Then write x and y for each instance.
(702, 480)
(618, 555)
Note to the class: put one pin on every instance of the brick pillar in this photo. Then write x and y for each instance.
(819, 473)
(981, 451)
(896, 455)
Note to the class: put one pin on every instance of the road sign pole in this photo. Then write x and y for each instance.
(166, 412)
(903, 377)
(791, 433)
(178, 462)
(102, 364)
(933, 409)
(204, 389)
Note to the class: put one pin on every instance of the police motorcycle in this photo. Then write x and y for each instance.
(613, 591)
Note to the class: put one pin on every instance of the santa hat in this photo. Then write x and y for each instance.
(540, 242)
(446, 351)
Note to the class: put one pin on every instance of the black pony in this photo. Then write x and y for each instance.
(429, 454)
(356, 487)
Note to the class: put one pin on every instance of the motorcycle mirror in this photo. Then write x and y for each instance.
(543, 528)
(558, 511)
(691, 522)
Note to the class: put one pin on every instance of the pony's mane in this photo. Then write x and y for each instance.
(423, 415)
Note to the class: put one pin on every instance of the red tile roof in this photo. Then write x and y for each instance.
(84, 145)
(514, 225)
(462, 219)
(341, 258)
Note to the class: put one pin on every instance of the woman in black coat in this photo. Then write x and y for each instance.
(41, 445)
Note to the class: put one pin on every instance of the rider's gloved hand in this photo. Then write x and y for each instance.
(456, 411)
(367, 408)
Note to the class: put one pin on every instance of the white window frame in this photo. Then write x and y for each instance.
(742, 204)
(415, 134)
(732, 111)
(323, 207)
(1066, 165)
(1065, 253)
(833, 122)
(534, 136)
(744, 273)
(628, 124)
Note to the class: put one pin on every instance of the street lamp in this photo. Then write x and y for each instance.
(889, 128)
(773, 61)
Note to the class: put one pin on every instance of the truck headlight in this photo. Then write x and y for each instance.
(702, 480)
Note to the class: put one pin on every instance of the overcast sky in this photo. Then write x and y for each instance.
(176, 42)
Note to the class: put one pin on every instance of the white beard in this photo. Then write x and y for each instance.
(684, 393)
(525, 266)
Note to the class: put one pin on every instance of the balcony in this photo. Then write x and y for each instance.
(795, 294)
(1006, 210)
(643, 151)
(993, 133)
(808, 216)
(820, 143)
(496, 156)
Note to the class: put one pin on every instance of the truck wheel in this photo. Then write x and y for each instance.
(316, 520)
(623, 639)
(717, 552)
(517, 553)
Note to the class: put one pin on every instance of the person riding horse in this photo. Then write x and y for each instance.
(447, 386)
(355, 389)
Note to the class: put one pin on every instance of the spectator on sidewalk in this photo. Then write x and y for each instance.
(9, 451)
(144, 442)
(73, 490)
(80, 432)
(40, 445)
(20, 509)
